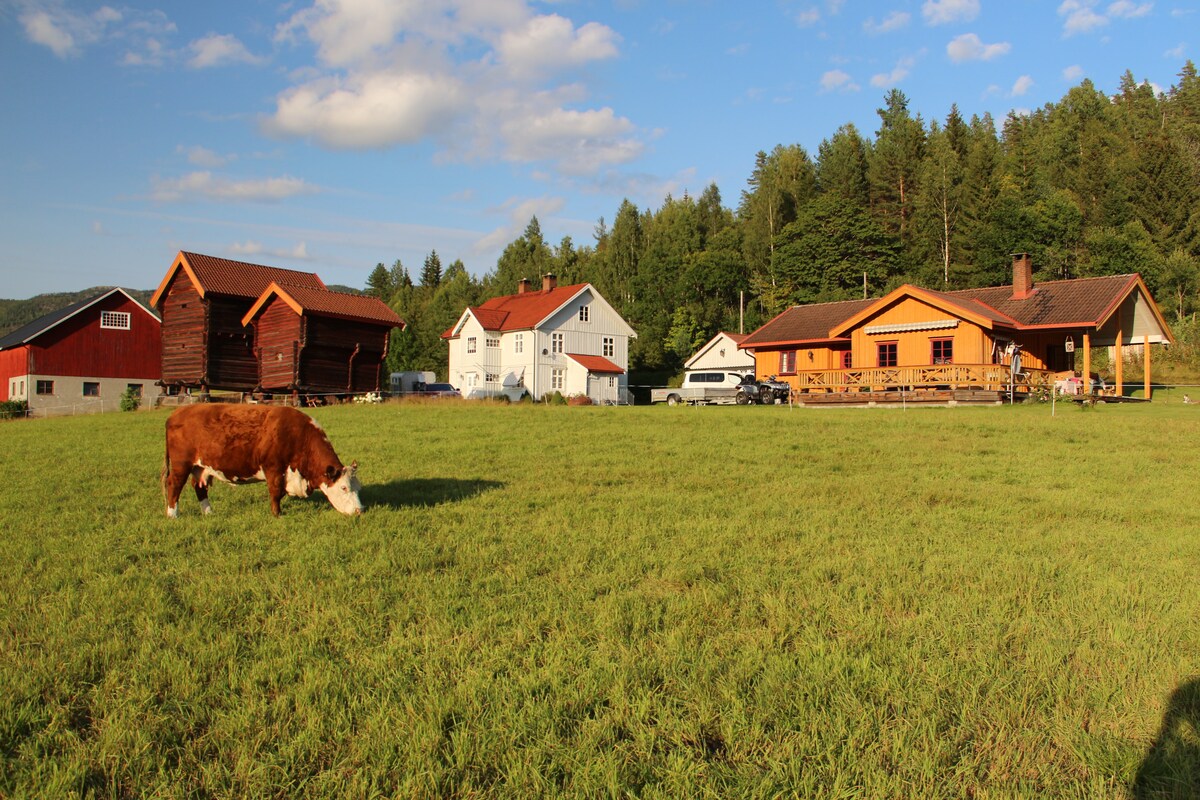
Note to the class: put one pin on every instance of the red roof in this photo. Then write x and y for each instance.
(597, 364)
(234, 278)
(325, 303)
(524, 310)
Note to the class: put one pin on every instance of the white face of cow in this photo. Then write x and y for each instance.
(343, 492)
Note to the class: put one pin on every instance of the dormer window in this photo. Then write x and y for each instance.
(115, 320)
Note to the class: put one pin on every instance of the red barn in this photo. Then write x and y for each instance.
(82, 358)
(202, 300)
(316, 341)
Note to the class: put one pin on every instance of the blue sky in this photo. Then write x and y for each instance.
(333, 135)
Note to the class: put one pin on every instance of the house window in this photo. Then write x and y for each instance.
(519, 343)
(45, 387)
(612, 382)
(492, 343)
(787, 362)
(886, 354)
(116, 320)
(847, 359)
(942, 351)
(610, 346)
(556, 343)
(491, 377)
(470, 344)
(557, 377)
(134, 389)
(584, 313)
(91, 389)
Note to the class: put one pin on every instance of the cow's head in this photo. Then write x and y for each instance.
(341, 486)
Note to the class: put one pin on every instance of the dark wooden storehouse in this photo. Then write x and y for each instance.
(202, 300)
(316, 341)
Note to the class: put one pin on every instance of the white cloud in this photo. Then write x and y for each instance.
(892, 22)
(1080, 16)
(298, 252)
(203, 157)
(66, 33)
(1124, 9)
(808, 17)
(519, 213)
(835, 80)
(483, 78)
(1022, 85)
(969, 47)
(1176, 52)
(217, 50)
(1072, 73)
(551, 42)
(206, 186)
(886, 80)
(942, 12)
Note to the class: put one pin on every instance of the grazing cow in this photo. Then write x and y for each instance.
(250, 443)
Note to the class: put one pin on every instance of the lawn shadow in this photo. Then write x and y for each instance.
(1171, 768)
(423, 492)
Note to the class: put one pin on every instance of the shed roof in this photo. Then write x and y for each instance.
(597, 364)
(326, 303)
(234, 278)
(30, 331)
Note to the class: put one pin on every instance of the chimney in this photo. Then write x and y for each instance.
(523, 286)
(1022, 276)
(549, 281)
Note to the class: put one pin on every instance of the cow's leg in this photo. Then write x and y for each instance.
(201, 490)
(174, 479)
(277, 488)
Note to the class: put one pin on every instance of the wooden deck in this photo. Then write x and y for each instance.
(898, 398)
(942, 377)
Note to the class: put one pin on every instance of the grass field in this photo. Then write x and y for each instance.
(601, 602)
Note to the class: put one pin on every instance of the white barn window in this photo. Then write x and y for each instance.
(115, 320)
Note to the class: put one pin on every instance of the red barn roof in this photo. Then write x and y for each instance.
(326, 303)
(235, 278)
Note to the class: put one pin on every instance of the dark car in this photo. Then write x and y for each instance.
(438, 390)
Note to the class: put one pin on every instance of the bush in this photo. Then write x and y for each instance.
(556, 398)
(131, 399)
(14, 409)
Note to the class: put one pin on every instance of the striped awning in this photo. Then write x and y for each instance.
(905, 327)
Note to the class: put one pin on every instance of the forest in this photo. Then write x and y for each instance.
(1091, 185)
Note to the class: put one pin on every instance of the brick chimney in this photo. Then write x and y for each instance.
(1022, 276)
(523, 286)
(549, 281)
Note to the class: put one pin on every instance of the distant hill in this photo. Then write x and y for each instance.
(15, 313)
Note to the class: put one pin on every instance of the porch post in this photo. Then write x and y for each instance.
(1087, 361)
(1120, 362)
(1146, 366)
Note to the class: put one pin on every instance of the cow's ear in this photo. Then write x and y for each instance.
(353, 468)
(331, 472)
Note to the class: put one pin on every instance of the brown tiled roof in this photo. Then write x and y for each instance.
(325, 303)
(805, 323)
(1080, 300)
(241, 279)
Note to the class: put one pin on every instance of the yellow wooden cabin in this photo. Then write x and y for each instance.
(971, 344)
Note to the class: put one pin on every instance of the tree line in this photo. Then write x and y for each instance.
(1091, 185)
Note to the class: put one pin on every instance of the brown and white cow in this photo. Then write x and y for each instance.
(250, 443)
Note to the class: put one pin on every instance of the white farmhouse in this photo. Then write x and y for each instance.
(721, 353)
(562, 338)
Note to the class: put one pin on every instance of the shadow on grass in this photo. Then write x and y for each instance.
(423, 492)
(1171, 768)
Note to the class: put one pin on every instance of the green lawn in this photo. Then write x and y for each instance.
(615, 602)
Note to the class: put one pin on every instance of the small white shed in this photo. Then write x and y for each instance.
(721, 353)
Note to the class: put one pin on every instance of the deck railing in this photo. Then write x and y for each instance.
(994, 377)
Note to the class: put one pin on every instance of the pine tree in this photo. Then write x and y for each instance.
(431, 272)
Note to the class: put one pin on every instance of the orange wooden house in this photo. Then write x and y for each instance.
(977, 343)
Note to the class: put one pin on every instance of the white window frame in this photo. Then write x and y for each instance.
(471, 344)
(115, 320)
(558, 379)
(491, 343)
(610, 346)
(519, 343)
(556, 343)
(585, 313)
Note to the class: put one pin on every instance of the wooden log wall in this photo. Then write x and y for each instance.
(232, 364)
(342, 356)
(278, 332)
(184, 334)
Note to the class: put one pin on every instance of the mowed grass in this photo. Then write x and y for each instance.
(614, 602)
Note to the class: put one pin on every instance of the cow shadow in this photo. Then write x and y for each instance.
(423, 492)
(1171, 768)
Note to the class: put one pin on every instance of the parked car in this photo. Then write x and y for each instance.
(438, 390)
(701, 387)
